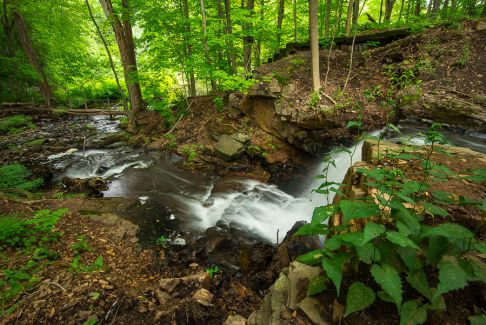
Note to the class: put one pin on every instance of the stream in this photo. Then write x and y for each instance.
(195, 201)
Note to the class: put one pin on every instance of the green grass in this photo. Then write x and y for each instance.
(18, 176)
(12, 124)
(36, 142)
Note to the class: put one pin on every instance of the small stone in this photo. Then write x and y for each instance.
(169, 284)
(312, 308)
(337, 311)
(193, 265)
(235, 320)
(204, 297)
(162, 296)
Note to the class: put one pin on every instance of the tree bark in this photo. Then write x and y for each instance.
(454, 7)
(388, 9)
(258, 47)
(108, 52)
(445, 9)
(248, 40)
(401, 11)
(295, 21)
(206, 48)
(435, 7)
(190, 65)
(483, 14)
(355, 12)
(280, 17)
(314, 42)
(347, 27)
(122, 29)
(381, 11)
(418, 8)
(8, 27)
(229, 28)
(44, 86)
(327, 19)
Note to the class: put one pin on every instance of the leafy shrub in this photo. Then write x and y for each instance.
(13, 123)
(35, 142)
(219, 103)
(17, 176)
(191, 151)
(397, 244)
(15, 232)
(314, 99)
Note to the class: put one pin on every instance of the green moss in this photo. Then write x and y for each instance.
(13, 124)
(36, 142)
(18, 176)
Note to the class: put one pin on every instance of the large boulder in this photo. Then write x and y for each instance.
(447, 109)
(228, 148)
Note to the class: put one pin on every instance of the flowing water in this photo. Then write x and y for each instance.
(198, 200)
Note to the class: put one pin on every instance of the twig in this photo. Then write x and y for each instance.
(329, 97)
(56, 284)
(180, 118)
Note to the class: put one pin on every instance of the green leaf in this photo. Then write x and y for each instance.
(357, 210)
(354, 124)
(389, 279)
(317, 285)
(443, 196)
(311, 258)
(451, 276)
(477, 319)
(311, 229)
(332, 243)
(372, 230)
(385, 296)
(359, 297)
(399, 239)
(353, 237)
(435, 210)
(418, 281)
(412, 313)
(321, 214)
(411, 257)
(334, 269)
(449, 230)
(368, 253)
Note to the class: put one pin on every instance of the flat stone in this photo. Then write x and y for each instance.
(204, 297)
(240, 137)
(299, 277)
(235, 320)
(337, 311)
(312, 308)
(169, 284)
(228, 148)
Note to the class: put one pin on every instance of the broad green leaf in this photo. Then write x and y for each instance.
(353, 237)
(449, 230)
(411, 187)
(385, 296)
(311, 258)
(372, 230)
(477, 319)
(321, 214)
(357, 210)
(317, 285)
(443, 196)
(310, 229)
(435, 210)
(399, 239)
(451, 276)
(437, 247)
(334, 269)
(389, 279)
(359, 297)
(412, 313)
(352, 124)
(418, 281)
(411, 257)
(332, 243)
(368, 253)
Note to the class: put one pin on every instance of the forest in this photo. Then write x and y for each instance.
(243, 162)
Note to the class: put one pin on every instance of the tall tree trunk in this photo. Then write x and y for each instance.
(339, 17)
(388, 9)
(483, 14)
(409, 6)
(347, 27)
(108, 53)
(401, 11)
(229, 28)
(445, 9)
(418, 7)
(122, 29)
(355, 12)
(295, 21)
(258, 47)
(327, 19)
(381, 11)
(429, 8)
(314, 42)
(7, 28)
(454, 7)
(190, 65)
(206, 48)
(435, 7)
(280, 17)
(248, 39)
(44, 86)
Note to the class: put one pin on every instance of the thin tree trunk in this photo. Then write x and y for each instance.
(229, 28)
(435, 7)
(429, 8)
(327, 19)
(248, 40)
(483, 14)
(108, 52)
(347, 27)
(454, 6)
(280, 17)
(44, 86)
(388, 9)
(221, 31)
(339, 16)
(381, 11)
(418, 8)
(258, 47)
(295, 21)
(8, 27)
(122, 29)
(409, 6)
(355, 12)
(445, 9)
(190, 65)
(314, 41)
(401, 11)
(206, 48)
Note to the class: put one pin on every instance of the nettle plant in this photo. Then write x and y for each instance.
(401, 258)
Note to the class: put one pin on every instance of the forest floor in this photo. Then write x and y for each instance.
(133, 283)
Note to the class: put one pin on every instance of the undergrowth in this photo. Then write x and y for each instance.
(17, 176)
(407, 261)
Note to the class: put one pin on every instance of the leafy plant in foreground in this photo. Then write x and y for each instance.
(408, 262)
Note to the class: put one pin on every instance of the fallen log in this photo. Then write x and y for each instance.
(35, 110)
